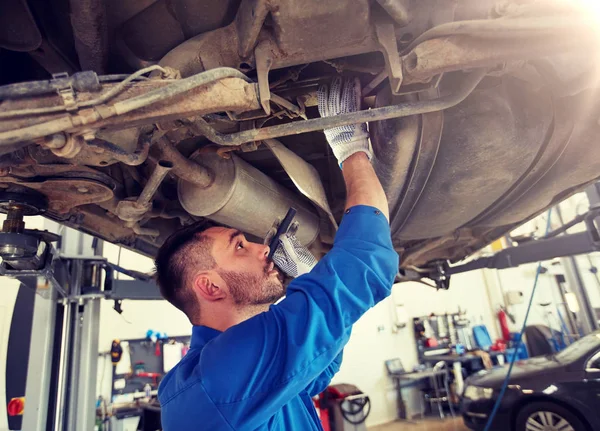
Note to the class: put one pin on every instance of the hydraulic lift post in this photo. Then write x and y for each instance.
(61, 366)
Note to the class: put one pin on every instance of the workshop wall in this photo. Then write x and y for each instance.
(374, 339)
(521, 279)
(137, 316)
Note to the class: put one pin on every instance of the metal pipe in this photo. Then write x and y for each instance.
(160, 172)
(68, 122)
(30, 133)
(80, 81)
(175, 89)
(437, 56)
(134, 210)
(243, 197)
(501, 27)
(397, 9)
(63, 365)
(184, 168)
(286, 104)
(377, 114)
(136, 158)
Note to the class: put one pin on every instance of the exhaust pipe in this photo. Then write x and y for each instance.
(241, 196)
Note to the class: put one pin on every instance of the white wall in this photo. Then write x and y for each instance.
(369, 346)
(137, 317)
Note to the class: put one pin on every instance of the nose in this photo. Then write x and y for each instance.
(263, 251)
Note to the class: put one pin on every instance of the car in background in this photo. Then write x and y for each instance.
(558, 392)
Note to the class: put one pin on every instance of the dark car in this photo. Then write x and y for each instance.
(557, 392)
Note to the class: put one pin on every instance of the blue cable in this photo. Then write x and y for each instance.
(514, 358)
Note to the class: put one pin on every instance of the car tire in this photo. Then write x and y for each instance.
(537, 414)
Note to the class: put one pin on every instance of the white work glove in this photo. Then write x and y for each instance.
(292, 257)
(342, 99)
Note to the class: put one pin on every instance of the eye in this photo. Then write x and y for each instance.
(239, 245)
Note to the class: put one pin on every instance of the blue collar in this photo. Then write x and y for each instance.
(202, 335)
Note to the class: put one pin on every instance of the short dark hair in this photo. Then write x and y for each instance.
(185, 248)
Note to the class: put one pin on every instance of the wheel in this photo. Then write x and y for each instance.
(547, 416)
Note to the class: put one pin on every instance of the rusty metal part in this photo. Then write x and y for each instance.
(387, 39)
(66, 91)
(437, 56)
(174, 89)
(58, 140)
(135, 209)
(549, 27)
(186, 169)
(31, 171)
(101, 220)
(486, 43)
(243, 197)
(264, 61)
(304, 176)
(116, 153)
(67, 146)
(94, 153)
(80, 81)
(284, 103)
(138, 230)
(248, 22)
(64, 186)
(228, 94)
(377, 114)
(90, 33)
(297, 35)
(367, 89)
(66, 193)
(397, 9)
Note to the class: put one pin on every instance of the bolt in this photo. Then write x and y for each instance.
(83, 189)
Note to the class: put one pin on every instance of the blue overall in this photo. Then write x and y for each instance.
(262, 373)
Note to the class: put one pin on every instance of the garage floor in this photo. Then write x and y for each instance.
(423, 425)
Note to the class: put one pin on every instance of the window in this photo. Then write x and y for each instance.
(579, 349)
(594, 362)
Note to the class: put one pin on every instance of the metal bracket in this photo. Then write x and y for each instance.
(304, 176)
(66, 91)
(264, 60)
(387, 39)
(549, 247)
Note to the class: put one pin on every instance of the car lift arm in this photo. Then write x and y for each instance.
(551, 246)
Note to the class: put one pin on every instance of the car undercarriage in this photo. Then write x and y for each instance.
(128, 120)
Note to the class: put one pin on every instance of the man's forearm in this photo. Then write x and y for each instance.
(362, 185)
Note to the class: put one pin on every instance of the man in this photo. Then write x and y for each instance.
(253, 365)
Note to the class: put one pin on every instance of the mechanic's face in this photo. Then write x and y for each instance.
(250, 277)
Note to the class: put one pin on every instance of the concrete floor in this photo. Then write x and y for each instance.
(423, 425)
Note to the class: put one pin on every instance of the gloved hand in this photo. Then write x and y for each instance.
(292, 257)
(342, 99)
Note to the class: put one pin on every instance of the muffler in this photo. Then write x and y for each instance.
(244, 198)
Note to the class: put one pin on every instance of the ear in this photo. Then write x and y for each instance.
(209, 285)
